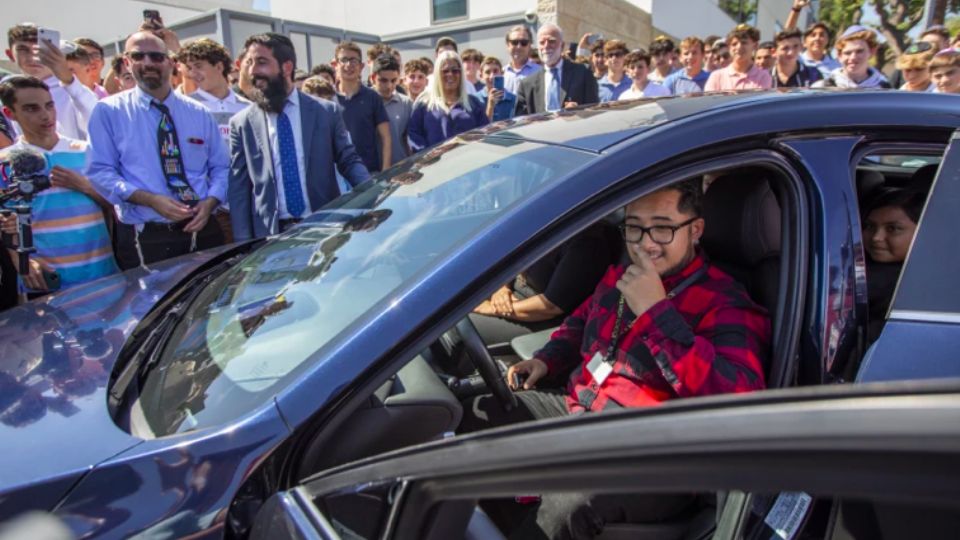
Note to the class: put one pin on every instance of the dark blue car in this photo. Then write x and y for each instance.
(177, 399)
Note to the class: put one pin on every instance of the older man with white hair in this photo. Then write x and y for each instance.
(560, 84)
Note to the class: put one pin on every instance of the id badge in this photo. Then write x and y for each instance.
(599, 369)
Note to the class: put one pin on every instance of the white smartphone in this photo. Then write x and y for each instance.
(53, 36)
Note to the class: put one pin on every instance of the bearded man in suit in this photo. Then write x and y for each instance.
(283, 150)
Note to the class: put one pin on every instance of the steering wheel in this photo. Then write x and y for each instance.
(480, 356)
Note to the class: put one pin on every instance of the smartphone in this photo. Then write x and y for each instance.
(152, 17)
(592, 38)
(46, 34)
(516, 381)
(498, 82)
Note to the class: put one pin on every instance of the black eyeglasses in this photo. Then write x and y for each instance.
(615, 54)
(519, 42)
(660, 234)
(155, 57)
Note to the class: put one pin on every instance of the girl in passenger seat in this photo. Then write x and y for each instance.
(891, 221)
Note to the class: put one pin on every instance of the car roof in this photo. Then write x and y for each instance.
(598, 127)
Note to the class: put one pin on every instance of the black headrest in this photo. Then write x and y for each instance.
(742, 218)
(868, 182)
(922, 179)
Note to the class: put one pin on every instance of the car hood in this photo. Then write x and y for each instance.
(57, 356)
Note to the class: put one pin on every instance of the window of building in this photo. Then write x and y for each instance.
(449, 9)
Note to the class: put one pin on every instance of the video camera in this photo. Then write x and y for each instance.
(25, 175)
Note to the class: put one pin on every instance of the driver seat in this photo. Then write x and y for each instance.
(742, 236)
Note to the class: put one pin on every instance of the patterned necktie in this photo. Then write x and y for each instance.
(293, 193)
(553, 91)
(171, 159)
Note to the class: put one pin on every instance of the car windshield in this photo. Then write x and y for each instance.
(253, 328)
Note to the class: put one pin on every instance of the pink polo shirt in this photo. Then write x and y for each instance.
(728, 79)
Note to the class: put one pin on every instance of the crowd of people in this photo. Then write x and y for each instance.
(181, 147)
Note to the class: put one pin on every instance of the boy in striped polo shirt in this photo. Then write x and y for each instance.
(69, 230)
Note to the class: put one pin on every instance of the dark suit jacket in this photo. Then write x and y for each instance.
(252, 192)
(577, 84)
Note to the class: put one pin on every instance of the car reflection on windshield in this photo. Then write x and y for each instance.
(264, 317)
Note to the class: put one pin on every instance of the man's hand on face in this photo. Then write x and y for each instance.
(530, 371)
(52, 57)
(640, 284)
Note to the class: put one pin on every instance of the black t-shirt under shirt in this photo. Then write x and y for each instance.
(568, 275)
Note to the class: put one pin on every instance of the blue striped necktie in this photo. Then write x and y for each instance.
(293, 193)
(553, 91)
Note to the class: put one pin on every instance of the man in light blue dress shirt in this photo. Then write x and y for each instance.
(158, 157)
(519, 66)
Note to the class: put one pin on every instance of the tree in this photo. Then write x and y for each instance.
(740, 10)
(897, 17)
(941, 8)
(839, 14)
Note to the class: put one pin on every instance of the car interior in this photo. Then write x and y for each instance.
(745, 232)
(749, 212)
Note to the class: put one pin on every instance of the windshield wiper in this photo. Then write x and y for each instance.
(152, 350)
(149, 347)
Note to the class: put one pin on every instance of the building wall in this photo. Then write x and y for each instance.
(106, 20)
(771, 14)
(384, 17)
(690, 18)
(615, 19)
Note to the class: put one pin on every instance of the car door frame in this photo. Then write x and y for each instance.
(919, 324)
(795, 216)
(872, 440)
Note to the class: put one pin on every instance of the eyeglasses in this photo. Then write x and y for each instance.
(351, 61)
(660, 234)
(615, 54)
(451, 71)
(519, 42)
(155, 57)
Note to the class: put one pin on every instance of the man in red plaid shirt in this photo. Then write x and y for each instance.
(667, 326)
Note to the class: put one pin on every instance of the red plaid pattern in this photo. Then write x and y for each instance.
(709, 339)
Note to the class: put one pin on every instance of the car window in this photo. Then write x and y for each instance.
(256, 324)
(892, 190)
(798, 515)
(930, 270)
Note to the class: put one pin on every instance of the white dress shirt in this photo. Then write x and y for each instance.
(292, 110)
(222, 109)
(74, 104)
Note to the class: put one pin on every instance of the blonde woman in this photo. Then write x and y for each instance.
(446, 107)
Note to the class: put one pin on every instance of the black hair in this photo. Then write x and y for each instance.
(911, 201)
(87, 42)
(324, 68)
(386, 62)
(279, 44)
(691, 196)
(9, 87)
(662, 45)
